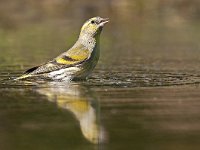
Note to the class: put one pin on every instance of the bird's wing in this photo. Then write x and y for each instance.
(72, 57)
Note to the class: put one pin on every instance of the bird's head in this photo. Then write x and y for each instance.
(93, 26)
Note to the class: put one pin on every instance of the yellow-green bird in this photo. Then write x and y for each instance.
(77, 62)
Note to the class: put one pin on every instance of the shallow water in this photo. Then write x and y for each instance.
(101, 113)
(143, 95)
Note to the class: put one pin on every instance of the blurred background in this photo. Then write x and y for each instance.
(131, 99)
(158, 34)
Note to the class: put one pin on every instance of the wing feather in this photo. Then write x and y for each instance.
(74, 56)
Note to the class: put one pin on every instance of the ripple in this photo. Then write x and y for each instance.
(142, 78)
(115, 78)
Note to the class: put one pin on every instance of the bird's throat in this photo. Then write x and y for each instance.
(89, 41)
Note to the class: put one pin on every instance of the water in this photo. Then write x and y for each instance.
(144, 93)
(100, 113)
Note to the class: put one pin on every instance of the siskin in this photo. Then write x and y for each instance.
(77, 62)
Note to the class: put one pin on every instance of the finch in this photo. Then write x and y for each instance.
(78, 61)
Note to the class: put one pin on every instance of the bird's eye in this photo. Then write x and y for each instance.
(92, 22)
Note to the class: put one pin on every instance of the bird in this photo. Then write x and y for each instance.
(76, 63)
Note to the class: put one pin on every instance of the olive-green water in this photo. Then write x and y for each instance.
(143, 95)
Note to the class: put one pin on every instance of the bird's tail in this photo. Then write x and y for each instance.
(27, 74)
(23, 77)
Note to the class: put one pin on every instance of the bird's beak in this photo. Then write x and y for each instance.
(104, 21)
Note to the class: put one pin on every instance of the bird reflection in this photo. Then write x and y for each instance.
(80, 101)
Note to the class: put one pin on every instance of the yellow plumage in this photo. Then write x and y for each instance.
(73, 56)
